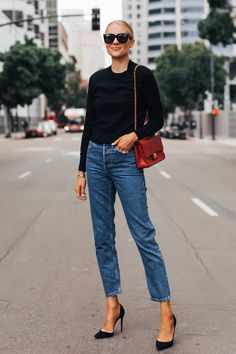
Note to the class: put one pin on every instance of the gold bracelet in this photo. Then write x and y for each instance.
(80, 175)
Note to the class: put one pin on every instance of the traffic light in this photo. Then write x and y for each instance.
(200, 102)
(95, 19)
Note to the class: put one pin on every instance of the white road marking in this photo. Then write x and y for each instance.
(27, 173)
(204, 207)
(35, 148)
(165, 174)
(48, 160)
(73, 153)
(76, 138)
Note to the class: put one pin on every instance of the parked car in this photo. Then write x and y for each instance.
(174, 131)
(53, 126)
(75, 125)
(47, 128)
(38, 130)
(35, 130)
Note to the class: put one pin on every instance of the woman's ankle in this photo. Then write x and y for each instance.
(112, 302)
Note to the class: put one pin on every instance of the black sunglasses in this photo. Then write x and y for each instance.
(121, 37)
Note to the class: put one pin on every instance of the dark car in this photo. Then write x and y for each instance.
(35, 130)
(75, 125)
(175, 131)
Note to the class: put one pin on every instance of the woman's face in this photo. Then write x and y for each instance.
(116, 49)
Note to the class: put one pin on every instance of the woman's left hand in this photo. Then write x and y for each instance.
(125, 143)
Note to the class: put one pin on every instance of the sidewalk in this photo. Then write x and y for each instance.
(14, 135)
(221, 140)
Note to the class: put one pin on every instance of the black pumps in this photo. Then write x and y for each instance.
(165, 345)
(102, 334)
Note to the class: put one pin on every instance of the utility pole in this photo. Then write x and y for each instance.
(213, 94)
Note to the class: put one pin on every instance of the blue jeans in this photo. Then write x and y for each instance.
(109, 171)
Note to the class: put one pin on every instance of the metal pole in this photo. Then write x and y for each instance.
(40, 18)
(213, 93)
(200, 125)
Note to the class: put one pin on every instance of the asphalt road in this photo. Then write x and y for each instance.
(51, 298)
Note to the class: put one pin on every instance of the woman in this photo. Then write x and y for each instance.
(107, 156)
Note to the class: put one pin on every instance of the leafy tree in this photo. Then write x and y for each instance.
(20, 75)
(51, 77)
(74, 95)
(184, 74)
(219, 26)
(29, 71)
(19, 78)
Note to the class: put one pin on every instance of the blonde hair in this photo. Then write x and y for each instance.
(124, 23)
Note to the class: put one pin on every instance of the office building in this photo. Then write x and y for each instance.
(161, 23)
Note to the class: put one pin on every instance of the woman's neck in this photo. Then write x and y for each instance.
(119, 65)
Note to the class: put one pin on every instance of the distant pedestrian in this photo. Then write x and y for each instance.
(108, 157)
(25, 125)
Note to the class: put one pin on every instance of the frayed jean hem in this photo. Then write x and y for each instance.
(161, 300)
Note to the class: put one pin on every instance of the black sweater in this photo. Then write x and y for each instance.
(110, 107)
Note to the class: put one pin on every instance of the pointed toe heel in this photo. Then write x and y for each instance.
(102, 334)
(165, 345)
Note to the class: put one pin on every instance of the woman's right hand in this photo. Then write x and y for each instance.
(80, 188)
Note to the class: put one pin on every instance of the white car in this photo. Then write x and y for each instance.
(53, 126)
(46, 128)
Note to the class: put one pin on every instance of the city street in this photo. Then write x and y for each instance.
(51, 297)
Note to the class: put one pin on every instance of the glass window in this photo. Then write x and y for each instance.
(154, 35)
(29, 23)
(154, 23)
(169, 34)
(192, 9)
(151, 60)
(154, 47)
(154, 11)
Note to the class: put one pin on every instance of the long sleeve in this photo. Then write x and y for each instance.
(88, 126)
(151, 96)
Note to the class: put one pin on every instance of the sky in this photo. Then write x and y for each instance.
(109, 10)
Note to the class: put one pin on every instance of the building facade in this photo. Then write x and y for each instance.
(85, 45)
(160, 23)
(53, 28)
(12, 10)
(26, 9)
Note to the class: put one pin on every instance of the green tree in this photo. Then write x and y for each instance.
(184, 74)
(29, 71)
(219, 26)
(52, 75)
(74, 95)
(19, 78)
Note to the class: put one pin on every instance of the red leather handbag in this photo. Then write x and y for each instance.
(148, 151)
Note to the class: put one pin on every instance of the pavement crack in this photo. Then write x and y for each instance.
(189, 243)
(21, 236)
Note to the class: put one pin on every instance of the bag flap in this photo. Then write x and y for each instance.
(151, 145)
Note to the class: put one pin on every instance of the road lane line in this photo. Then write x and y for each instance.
(27, 173)
(73, 153)
(204, 207)
(165, 174)
(48, 160)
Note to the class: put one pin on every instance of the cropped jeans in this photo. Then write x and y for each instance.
(110, 171)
